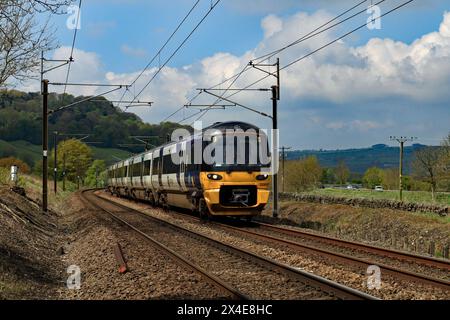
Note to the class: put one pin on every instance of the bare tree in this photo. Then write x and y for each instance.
(23, 37)
(427, 165)
(445, 163)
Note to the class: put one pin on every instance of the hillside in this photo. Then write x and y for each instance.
(31, 153)
(20, 126)
(20, 132)
(358, 160)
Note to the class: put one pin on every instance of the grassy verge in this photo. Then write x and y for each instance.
(33, 188)
(402, 230)
(442, 198)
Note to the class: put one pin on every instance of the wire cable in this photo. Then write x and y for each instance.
(307, 36)
(322, 47)
(73, 46)
(178, 48)
(162, 48)
(178, 110)
(318, 30)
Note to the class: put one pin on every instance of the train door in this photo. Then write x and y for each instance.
(146, 170)
(182, 171)
(141, 175)
(160, 168)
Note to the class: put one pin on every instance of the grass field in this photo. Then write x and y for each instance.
(408, 196)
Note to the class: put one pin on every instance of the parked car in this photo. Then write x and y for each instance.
(378, 188)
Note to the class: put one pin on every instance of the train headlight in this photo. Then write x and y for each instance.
(262, 177)
(213, 176)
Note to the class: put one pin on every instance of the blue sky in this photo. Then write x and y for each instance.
(235, 28)
(354, 94)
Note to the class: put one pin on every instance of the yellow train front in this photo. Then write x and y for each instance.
(235, 193)
(219, 171)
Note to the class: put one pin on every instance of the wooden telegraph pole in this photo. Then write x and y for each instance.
(402, 141)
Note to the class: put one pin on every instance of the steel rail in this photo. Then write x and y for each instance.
(405, 256)
(323, 284)
(394, 271)
(172, 254)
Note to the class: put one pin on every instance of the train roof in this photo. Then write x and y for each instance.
(232, 125)
(217, 125)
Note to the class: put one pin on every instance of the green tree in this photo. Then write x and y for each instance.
(328, 176)
(342, 172)
(96, 174)
(303, 174)
(8, 162)
(78, 159)
(390, 178)
(372, 177)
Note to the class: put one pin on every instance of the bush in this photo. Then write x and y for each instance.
(4, 176)
(372, 177)
(8, 162)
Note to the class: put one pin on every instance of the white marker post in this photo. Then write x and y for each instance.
(14, 174)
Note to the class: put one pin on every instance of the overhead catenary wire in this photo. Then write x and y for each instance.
(321, 48)
(318, 30)
(305, 37)
(158, 54)
(213, 5)
(346, 34)
(219, 99)
(179, 109)
(73, 47)
(84, 100)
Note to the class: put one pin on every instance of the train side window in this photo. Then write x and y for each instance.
(168, 165)
(147, 168)
(137, 169)
(155, 169)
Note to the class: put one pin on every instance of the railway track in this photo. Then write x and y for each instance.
(394, 254)
(349, 258)
(243, 274)
(224, 287)
(352, 253)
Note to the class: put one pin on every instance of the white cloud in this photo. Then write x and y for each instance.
(341, 89)
(271, 25)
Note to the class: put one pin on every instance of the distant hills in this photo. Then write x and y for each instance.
(358, 160)
(20, 115)
(20, 132)
(31, 153)
(110, 127)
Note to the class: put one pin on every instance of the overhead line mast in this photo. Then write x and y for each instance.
(267, 56)
(401, 141)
